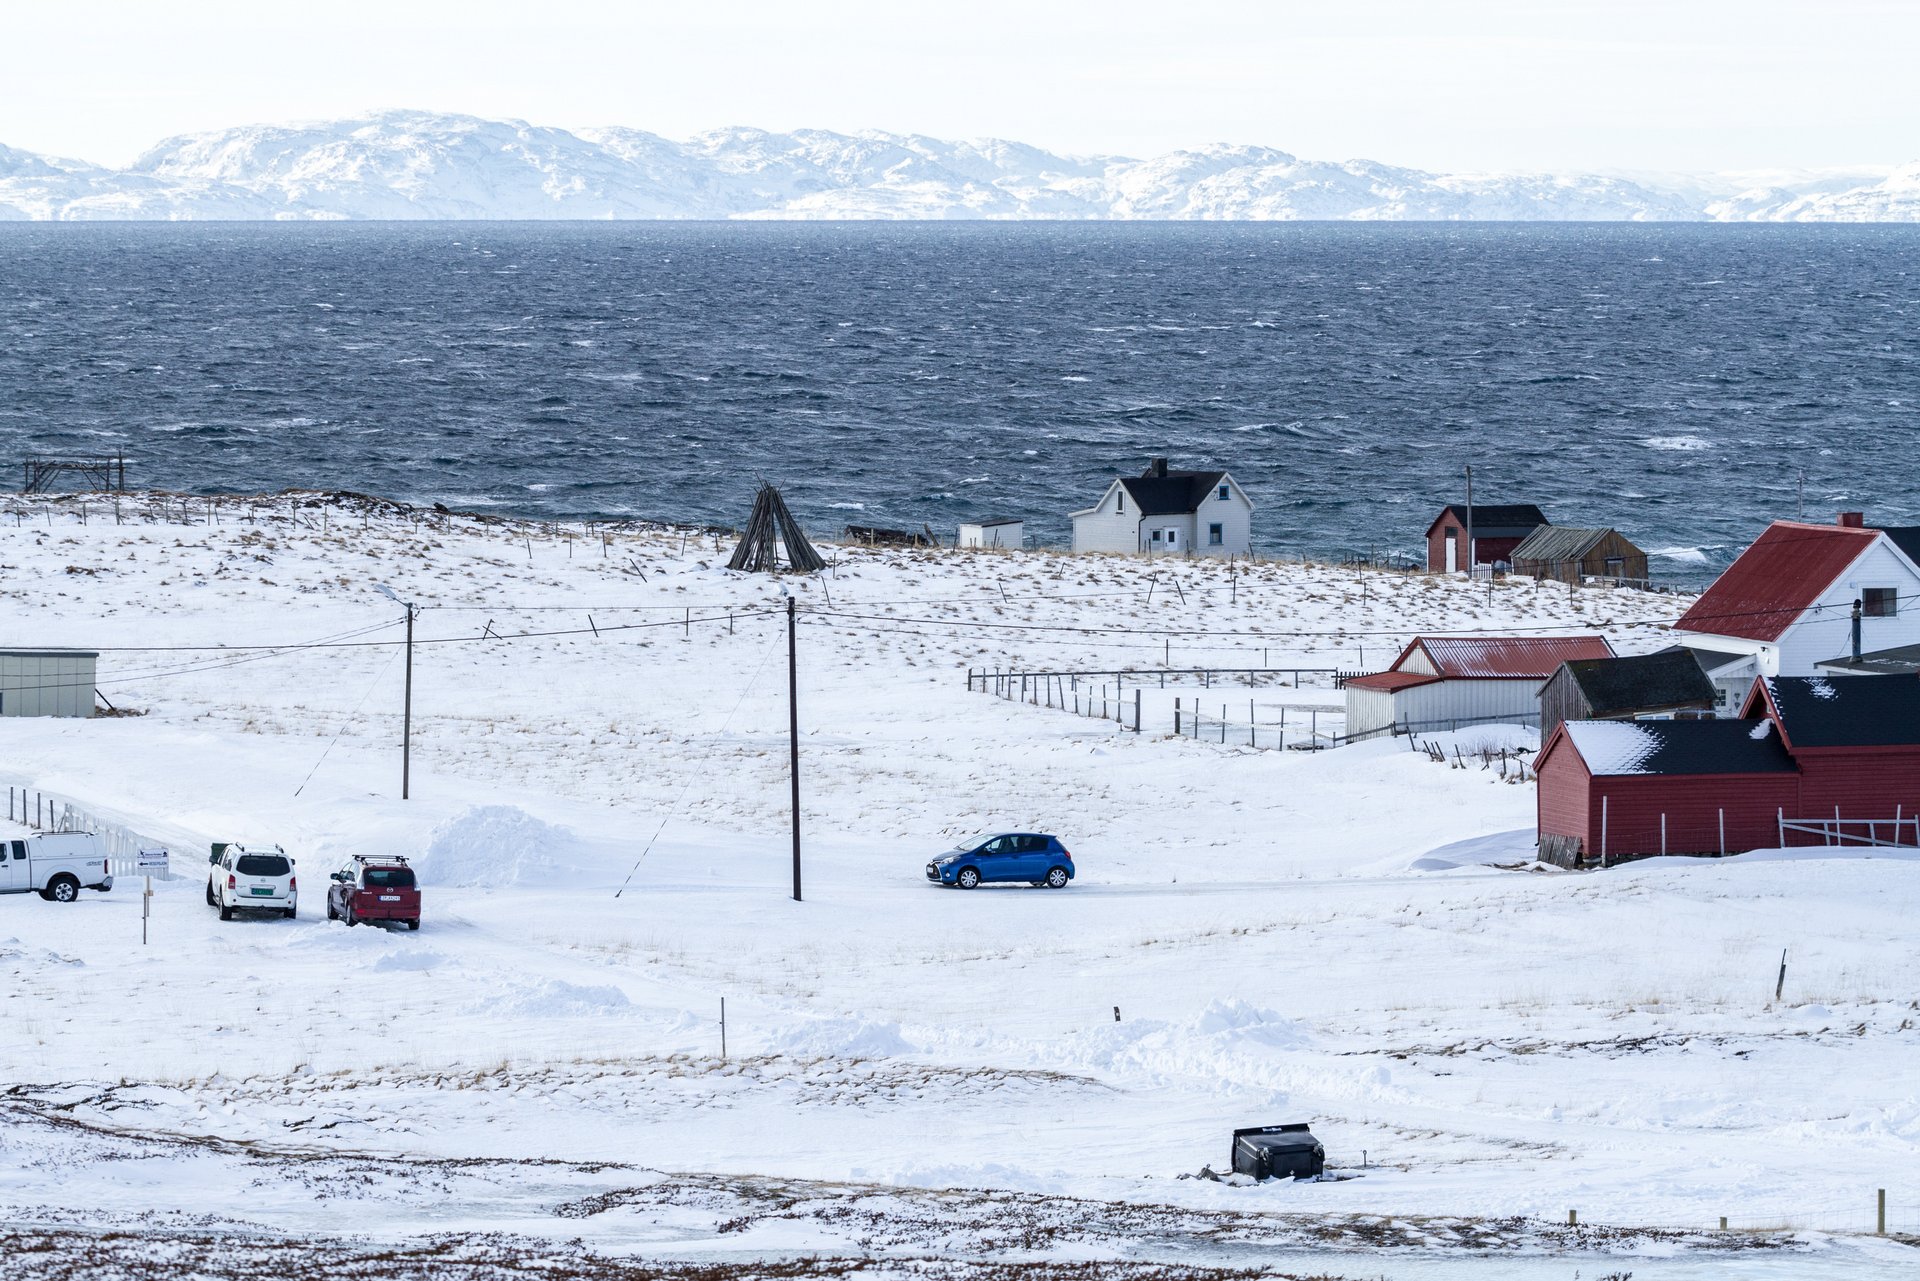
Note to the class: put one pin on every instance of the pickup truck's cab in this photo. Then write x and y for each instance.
(374, 887)
(251, 878)
(56, 865)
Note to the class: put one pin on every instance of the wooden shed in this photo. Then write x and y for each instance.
(1640, 687)
(1494, 529)
(1565, 555)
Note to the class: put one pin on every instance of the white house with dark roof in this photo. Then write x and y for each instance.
(1175, 513)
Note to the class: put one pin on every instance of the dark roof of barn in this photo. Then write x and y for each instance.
(1557, 542)
(1770, 584)
(1679, 747)
(1497, 520)
(1641, 683)
(1173, 493)
(1849, 711)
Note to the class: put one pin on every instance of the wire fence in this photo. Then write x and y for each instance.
(1301, 733)
(1875, 1214)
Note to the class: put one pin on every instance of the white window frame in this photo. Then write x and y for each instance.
(1216, 535)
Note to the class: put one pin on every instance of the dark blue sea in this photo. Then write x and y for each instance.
(1683, 383)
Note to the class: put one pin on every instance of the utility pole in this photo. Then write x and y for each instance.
(406, 717)
(793, 740)
(406, 706)
(1470, 560)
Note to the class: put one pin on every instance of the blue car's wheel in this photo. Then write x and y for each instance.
(968, 879)
(1057, 878)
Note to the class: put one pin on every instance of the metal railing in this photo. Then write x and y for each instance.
(49, 812)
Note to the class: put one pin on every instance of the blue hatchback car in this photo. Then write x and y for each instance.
(1004, 856)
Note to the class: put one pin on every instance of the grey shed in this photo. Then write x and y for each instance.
(47, 682)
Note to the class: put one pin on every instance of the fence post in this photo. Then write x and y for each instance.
(1603, 830)
(1663, 833)
(1723, 832)
(1780, 816)
(1176, 718)
(1880, 1226)
(1136, 709)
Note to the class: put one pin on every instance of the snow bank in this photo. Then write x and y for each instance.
(1516, 846)
(556, 998)
(501, 845)
(842, 1039)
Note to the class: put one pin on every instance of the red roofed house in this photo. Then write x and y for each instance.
(1785, 605)
(1444, 682)
(1812, 761)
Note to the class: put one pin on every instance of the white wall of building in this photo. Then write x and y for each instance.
(1110, 525)
(1002, 534)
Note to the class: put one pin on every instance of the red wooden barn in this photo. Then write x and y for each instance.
(1813, 761)
(1496, 530)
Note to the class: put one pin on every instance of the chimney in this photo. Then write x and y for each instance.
(1856, 631)
(1160, 468)
(1853, 520)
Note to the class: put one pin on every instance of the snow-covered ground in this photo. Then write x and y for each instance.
(1352, 937)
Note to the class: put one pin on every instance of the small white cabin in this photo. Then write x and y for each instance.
(1003, 532)
(1173, 513)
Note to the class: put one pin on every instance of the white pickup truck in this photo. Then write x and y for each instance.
(54, 864)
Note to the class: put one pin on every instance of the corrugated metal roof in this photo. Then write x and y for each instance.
(1772, 582)
(1537, 657)
(1390, 681)
(1557, 542)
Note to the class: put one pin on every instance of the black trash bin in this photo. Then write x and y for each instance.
(1278, 1152)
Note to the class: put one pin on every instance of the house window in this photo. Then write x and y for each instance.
(1216, 535)
(1156, 535)
(1120, 501)
(1223, 493)
(1880, 602)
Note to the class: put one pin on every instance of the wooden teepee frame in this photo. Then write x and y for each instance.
(770, 528)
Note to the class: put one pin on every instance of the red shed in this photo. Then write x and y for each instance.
(1615, 789)
(1838, 761)
(1856, 740)
(1496, 531)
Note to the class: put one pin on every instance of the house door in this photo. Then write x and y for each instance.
(1173, 540)
(1453, 551)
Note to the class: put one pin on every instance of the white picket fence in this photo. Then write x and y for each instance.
(50, 812)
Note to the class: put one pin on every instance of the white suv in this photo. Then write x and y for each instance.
(251, 878)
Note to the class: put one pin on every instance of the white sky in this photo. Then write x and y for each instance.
(1437, 84)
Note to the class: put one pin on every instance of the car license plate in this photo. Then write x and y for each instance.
(389, 898)
(258, 890)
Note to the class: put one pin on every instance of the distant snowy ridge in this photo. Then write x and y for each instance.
(425, 165)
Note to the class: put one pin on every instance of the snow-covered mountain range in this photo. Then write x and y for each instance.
(425, 165)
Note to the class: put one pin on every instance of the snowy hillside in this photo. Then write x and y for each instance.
(1350, 937)
(425, 165)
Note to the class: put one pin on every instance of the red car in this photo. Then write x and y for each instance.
(373, 887)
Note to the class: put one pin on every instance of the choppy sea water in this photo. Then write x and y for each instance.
(1683, 383)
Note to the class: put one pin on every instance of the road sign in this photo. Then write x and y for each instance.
(151, 862)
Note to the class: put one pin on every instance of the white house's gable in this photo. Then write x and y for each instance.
(1825, 629)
